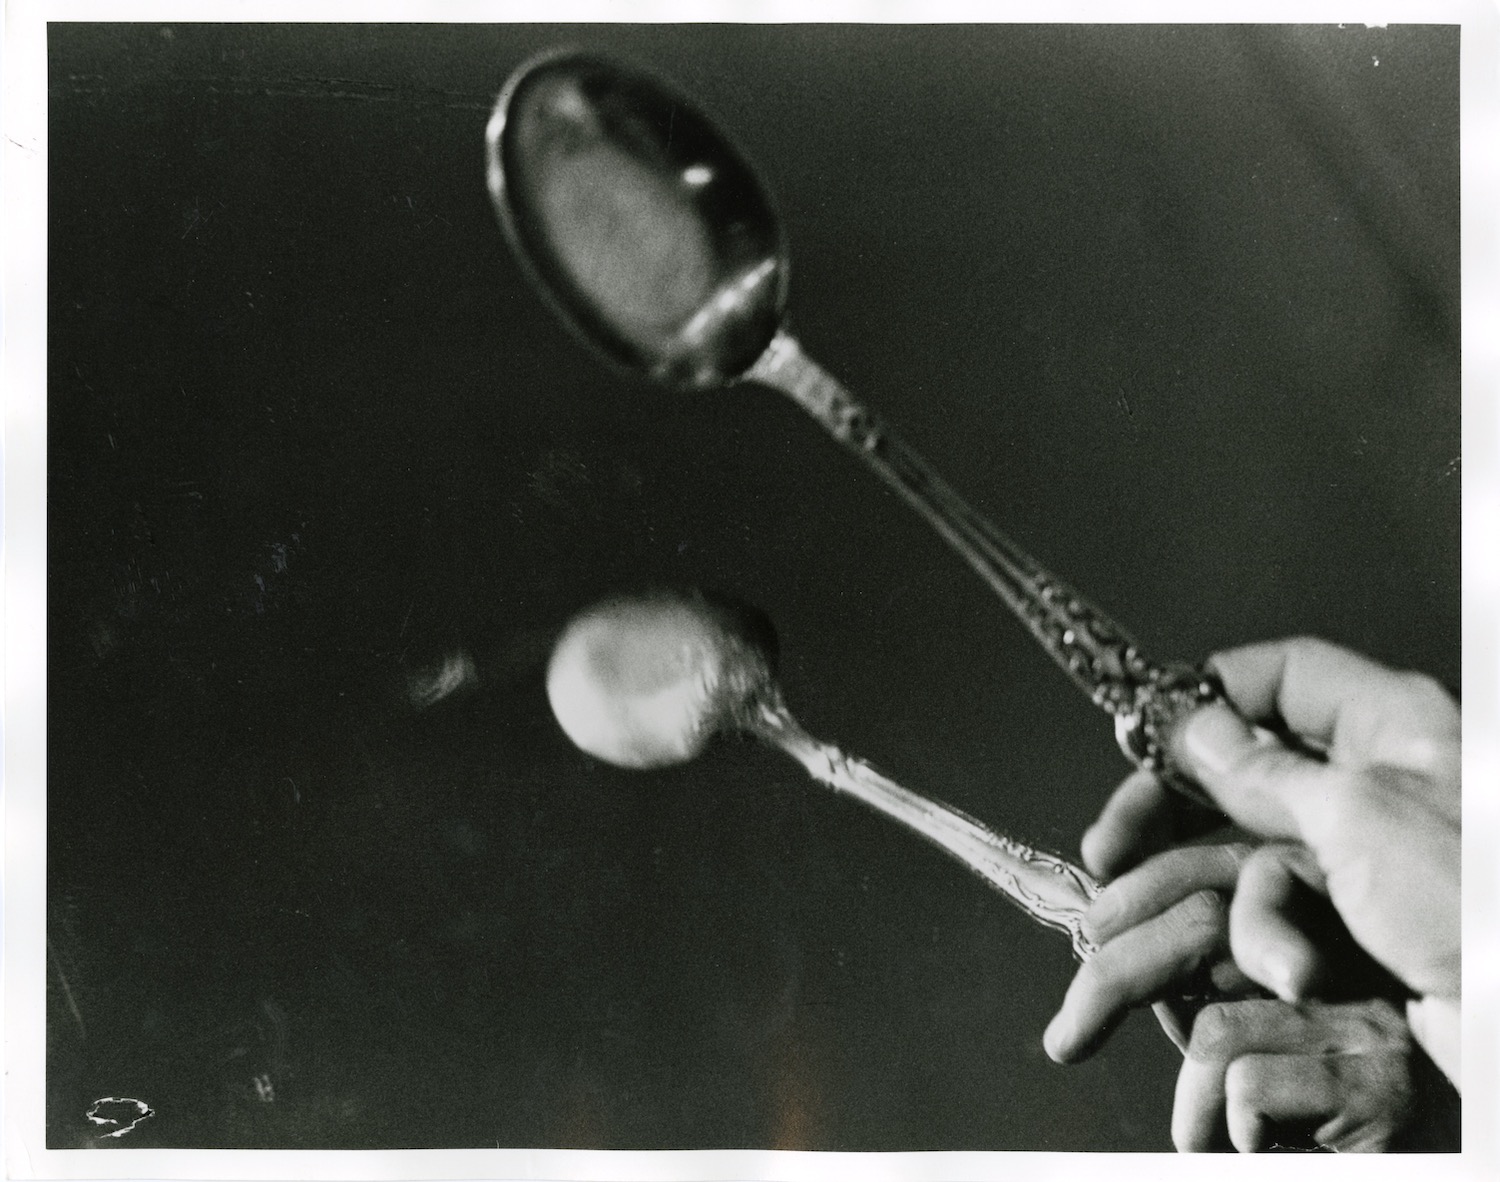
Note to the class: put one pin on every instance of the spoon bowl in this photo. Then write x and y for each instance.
(646, 681)
(651, 236)
(645, 228)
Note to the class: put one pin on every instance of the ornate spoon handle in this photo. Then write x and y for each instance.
(1145, 698)
(1051, 890)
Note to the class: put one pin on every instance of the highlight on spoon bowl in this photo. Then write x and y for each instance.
(646, 681)
(639, 221)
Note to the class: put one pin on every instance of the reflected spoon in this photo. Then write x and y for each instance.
(648, 681)
(653, 239)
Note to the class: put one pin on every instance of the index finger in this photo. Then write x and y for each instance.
(1141, 818)
(1355, 707)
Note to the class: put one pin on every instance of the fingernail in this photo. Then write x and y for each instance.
(1279, 977)
(1213, 738)
(1058, 1038)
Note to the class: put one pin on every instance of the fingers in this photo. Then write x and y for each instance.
(1262, 1088)
(1159, 883)
(1361, 1100)
(1301, 680)
(1345, 702)
(1226, 1033)
(1342, 920)
(1221, 1033)
(1139, 965)
(1267, 945)
(1141, 818)
(1380, 815)
(1362, 712)
(1157, 927)
(1135, 823)
(1262, 784)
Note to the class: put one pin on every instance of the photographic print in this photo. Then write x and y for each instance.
(573, 551)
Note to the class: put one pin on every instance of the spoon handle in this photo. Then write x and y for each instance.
(1146, 699)
(1051, 890)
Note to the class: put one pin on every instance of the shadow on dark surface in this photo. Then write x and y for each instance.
(1177, 305)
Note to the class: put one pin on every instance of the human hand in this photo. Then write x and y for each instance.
(1374, 827)
(1258, 1071)
(1162, 931)
(1163, 934)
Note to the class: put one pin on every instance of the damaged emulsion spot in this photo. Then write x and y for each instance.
(427, 687)
(116, 1110)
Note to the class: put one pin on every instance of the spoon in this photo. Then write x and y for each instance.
(653, 239)
(647, 681)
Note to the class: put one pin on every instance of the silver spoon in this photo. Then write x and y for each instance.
(653, 239)
(648, 681)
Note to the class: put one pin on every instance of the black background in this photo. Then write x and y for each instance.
(1178, 306)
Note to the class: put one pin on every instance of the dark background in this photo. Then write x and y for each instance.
(1178, 306)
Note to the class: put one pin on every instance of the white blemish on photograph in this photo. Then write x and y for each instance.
(104, 1111)
(428, 686)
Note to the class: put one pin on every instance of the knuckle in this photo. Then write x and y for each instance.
(1106, 976)
(1198, 926)
(1224, 1029)
(1384, 1027)
(1427, 691)
(1207, 906)
(1430, 751)
(1215, 1032)
(1432, 756)
(1305, 645)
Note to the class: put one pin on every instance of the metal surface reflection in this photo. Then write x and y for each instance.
(650, 234)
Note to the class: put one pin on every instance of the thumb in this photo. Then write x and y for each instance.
(1259, 782)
